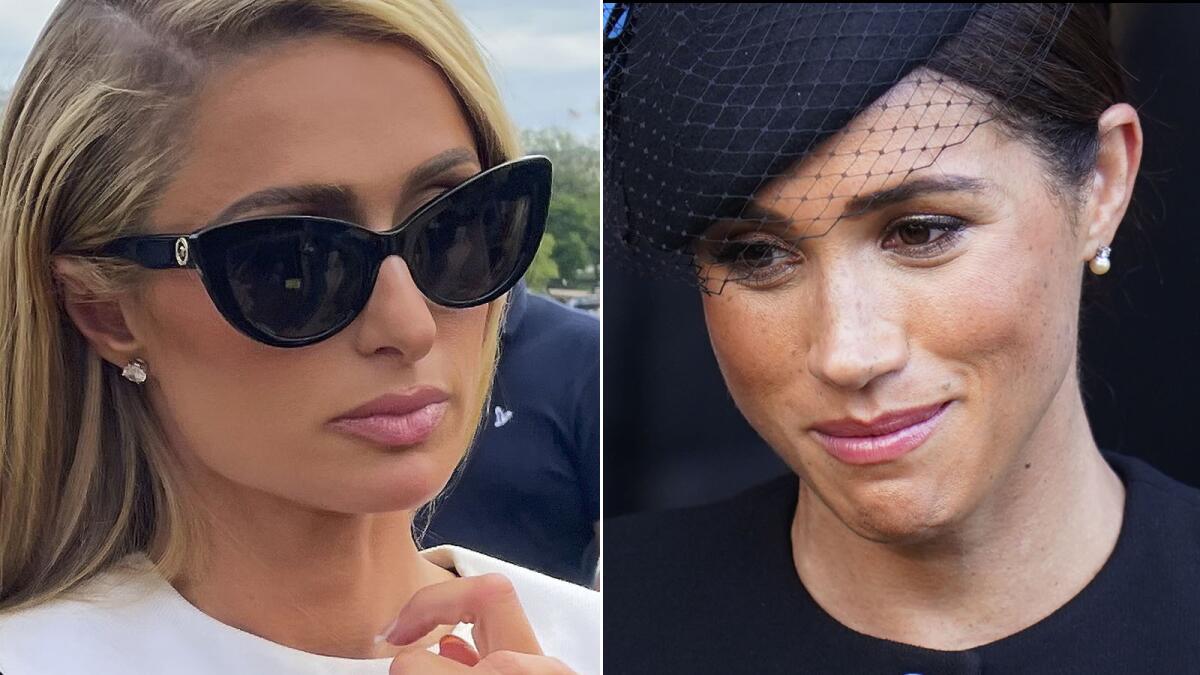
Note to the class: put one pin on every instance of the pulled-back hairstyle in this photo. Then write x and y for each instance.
(1056, 106)
(92, 134)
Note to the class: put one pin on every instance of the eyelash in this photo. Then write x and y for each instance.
(437, 190)
(951, 226)
(430, 193)
(749, 270)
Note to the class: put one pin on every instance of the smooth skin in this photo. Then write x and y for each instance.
(1008, 510)
(312, 544)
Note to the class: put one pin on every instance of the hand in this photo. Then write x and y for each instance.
(507, 645)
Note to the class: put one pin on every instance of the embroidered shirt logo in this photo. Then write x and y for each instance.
(502, 416)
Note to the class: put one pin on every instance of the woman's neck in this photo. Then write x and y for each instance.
(1022, 554)
(320, 582)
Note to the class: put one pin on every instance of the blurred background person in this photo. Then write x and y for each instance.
(529, 490)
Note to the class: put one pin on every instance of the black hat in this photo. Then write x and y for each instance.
(704, 103)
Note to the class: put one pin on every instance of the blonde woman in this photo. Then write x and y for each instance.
(253, 263)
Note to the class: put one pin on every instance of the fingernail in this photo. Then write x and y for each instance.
(383, 636)
(457, 649)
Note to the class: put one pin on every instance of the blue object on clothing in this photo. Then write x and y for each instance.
(529, 491)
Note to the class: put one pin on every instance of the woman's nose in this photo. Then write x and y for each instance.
(397, 318)
(856, 336)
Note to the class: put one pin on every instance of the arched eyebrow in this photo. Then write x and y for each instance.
(340, 200)
(861, 205)
(911, 189)
(336, 200)
(438, 165)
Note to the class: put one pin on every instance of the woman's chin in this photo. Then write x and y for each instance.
(398, 486)
(894, 512)
(898, 527)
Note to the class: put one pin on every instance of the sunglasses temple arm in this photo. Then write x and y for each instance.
(157, 252)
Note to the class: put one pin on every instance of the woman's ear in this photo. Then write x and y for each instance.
(100, 319)
(1117, 162)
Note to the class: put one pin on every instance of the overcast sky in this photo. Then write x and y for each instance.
(545, 54)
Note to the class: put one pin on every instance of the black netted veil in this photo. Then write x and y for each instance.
(705, 104)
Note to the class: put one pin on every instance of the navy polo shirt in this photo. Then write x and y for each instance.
(529, 490)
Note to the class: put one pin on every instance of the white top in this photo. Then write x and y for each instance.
(138, 623)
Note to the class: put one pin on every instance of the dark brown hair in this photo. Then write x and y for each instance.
(1054, 108)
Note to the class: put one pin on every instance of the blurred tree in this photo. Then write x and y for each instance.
(572, 257)
(574, 219)
(543, 269)
(3, 98)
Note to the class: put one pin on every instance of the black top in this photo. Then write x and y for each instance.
(529, 491)
(713, 589)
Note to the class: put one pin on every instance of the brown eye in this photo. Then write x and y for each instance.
(754, 262)
(759, 255)
(914, 234)
(925, 237)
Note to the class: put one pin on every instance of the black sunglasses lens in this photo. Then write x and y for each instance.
(477, 241)
(293, 279)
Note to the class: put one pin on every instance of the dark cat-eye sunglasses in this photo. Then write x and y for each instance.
(292, 281)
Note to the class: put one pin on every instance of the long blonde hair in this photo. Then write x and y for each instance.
(90, 137)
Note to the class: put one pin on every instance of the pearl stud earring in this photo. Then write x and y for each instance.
(1100, 263)
(135, 371)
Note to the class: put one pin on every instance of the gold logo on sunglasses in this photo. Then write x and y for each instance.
(181, 251)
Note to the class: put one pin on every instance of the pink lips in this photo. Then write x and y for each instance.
(881, 440)
(396, 419)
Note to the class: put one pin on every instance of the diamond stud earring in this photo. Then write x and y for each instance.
(135, 371)
(1100, 263)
